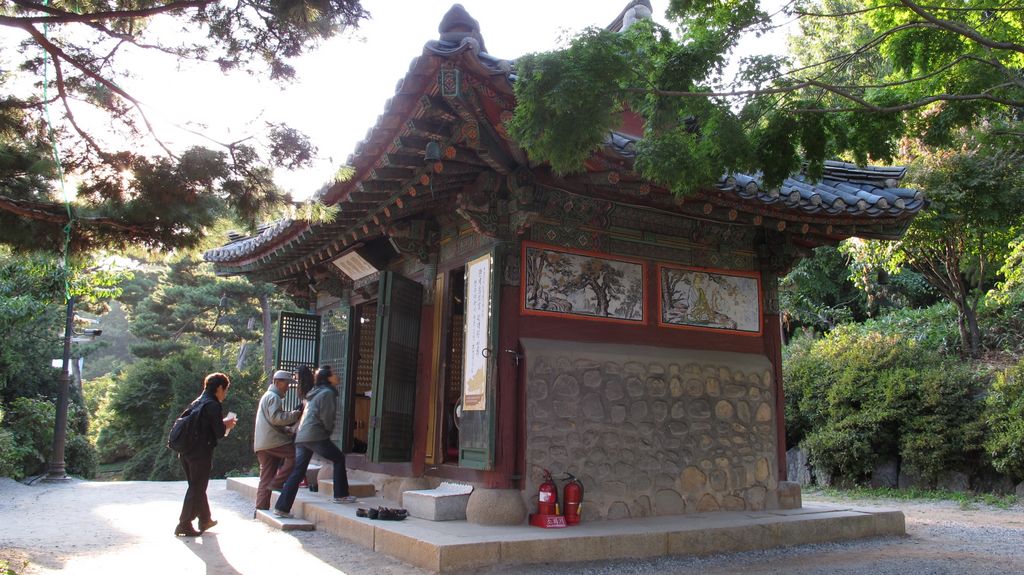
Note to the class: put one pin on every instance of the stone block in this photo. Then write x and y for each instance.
(411, 484)
(447, 502)
(357, 488)
(789, 495)
(797, 467)
(409, 549)
(283, 523)
(496, 507)
(954, 481)
(632, 545)
(890, 523)
(468, 556)
(333, 519)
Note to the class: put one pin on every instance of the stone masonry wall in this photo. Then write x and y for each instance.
(651, 431)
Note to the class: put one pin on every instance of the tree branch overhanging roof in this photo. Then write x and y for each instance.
(392, 177)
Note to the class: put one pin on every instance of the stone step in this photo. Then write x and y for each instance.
(446, 502)
(284, 523)
(357, 488)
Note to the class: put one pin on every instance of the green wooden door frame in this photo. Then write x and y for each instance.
(395, 369)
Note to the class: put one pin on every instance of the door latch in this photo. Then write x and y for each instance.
(516, 356)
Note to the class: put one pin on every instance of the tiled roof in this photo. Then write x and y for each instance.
(241, 246)
(390, 171)
(844, 188)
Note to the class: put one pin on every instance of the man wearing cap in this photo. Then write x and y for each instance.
(272, 441)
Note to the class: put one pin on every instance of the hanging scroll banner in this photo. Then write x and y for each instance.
(478, 318)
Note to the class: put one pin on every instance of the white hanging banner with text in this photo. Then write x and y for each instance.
(478, 318)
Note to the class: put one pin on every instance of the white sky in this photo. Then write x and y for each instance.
(342, 87)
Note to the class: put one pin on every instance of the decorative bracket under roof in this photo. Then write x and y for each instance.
(416, 238)
(476, 131)
(777, 253)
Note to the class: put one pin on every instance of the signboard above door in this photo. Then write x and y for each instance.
(354, 265)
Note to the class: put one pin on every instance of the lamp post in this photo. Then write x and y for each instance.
(55, 470)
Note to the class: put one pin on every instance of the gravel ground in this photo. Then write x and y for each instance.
(96, 527)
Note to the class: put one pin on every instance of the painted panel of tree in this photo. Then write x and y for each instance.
(694, 297)
(581, 284)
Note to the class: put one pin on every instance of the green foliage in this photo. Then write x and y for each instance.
(28, 426)
(1005, 416)
(573, 100)
(9, 464)
(190, 306)
(151, 393)
(6, 568)
(872, 390)
(966, 232)
(129, 196)
(865, 79)
(966, 500)
(29, 289)
(818, 293)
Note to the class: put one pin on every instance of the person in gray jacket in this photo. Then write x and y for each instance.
(314, 436)
(273, 442)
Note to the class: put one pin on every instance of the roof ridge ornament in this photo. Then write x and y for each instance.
(458, 26)
(633, 12)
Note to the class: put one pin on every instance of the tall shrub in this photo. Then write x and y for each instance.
(26, 437)
(870, 391)
(1005, 416)
(152, 392)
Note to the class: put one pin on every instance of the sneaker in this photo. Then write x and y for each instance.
(285, 514)
(345, 499)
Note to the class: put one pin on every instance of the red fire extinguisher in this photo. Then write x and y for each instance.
(573, 499)
(547, 499)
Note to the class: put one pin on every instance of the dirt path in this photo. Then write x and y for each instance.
(98, 528)
(124, 527)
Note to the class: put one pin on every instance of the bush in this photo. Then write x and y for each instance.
(8, 462)
(150, 394)
(1005, 416)
(870, 391)
(29, 423)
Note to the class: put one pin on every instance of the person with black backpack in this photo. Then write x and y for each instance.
(205, 425)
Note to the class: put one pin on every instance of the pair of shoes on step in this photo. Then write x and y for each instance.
(383, 513)
(346, 499)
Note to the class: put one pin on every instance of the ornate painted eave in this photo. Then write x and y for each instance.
(435, 138)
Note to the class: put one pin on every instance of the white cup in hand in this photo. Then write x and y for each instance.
(229, 422)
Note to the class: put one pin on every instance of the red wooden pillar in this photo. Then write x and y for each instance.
(424, 384)
(506, 445)
(773, 349)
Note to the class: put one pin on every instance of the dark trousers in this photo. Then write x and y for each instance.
(303, 453)
(276, 465)
(197, 471)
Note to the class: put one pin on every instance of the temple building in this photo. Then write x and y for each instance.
(493, 319)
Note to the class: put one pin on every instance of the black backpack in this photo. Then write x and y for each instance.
(185, 435)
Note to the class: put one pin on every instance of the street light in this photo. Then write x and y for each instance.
(56, 468)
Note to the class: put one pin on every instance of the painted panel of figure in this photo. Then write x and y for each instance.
(582, 284)
(699, 298)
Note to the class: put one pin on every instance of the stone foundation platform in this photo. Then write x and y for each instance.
(454, 545)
